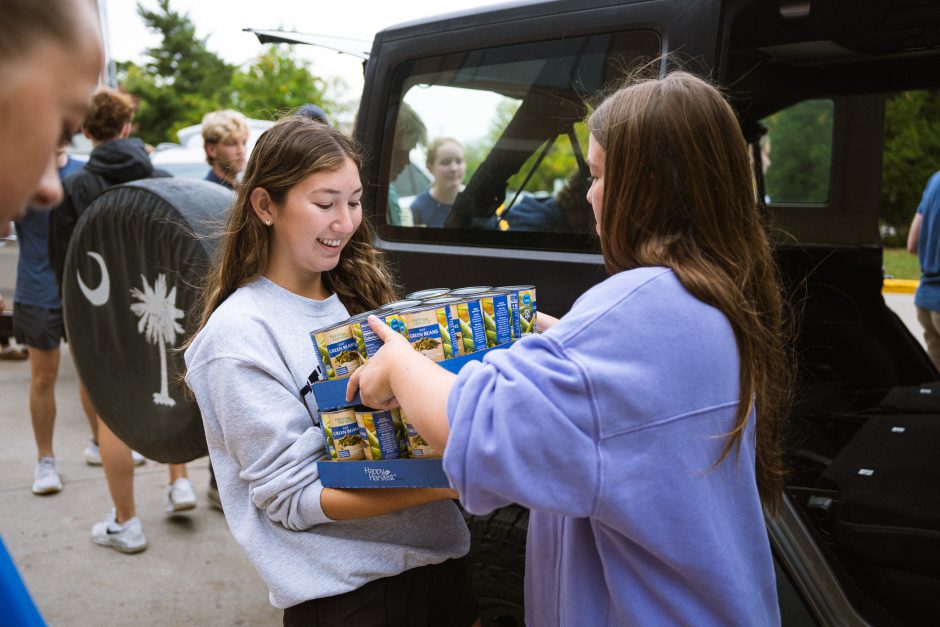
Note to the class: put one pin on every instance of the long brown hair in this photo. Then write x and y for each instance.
(678, 192)
(284, 155)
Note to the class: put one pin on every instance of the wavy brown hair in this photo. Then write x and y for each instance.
(678, 192)
(284, 155)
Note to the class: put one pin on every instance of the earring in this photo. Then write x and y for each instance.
(268, 223)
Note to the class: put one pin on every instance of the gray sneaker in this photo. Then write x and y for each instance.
(47, 479)
(126, 537)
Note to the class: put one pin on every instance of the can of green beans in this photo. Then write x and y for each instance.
(470, 291)
(380, 437)
(425, 332)
(523, 307)
(433, 292)
(336, 350)
(367, 342)
(449, 322)
(397, 305)
(472, 327)
(417, 445)
(341, 432)
(497, 318)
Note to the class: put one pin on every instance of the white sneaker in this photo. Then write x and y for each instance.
(93, 455)
(180, 496)
(47, 479)
(127, 537)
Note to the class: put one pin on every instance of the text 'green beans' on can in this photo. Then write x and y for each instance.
(417, 445)
(449, 322)
(472, 328)
(424, 331)
(433, 292)
(497, 318)
(343, 438)
(524, 308)
(367, 342)
(336, 350)
(382, 438)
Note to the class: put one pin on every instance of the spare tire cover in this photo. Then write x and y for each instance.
(133, 270)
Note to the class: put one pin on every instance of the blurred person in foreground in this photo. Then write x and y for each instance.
(50, 58)
(224, 138)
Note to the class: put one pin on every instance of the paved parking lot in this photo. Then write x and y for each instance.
(192, 573)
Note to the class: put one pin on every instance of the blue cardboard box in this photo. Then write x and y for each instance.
(385, 473)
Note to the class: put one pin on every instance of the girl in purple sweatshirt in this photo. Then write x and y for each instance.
(641, 428)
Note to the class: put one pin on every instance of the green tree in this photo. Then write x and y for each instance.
(801, 150)
(911, 153)
(276, 82)
(181, 81)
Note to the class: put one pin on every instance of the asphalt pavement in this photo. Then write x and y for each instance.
(193, 572)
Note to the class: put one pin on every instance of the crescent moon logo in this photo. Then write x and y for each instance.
(99, 295)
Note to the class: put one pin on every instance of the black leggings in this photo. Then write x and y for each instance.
(439, 595)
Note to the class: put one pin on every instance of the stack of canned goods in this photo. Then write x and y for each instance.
(360, 433)
(439, 323)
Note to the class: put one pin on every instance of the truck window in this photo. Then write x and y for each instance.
(488, 146)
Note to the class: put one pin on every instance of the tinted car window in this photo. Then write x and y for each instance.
(516, 114)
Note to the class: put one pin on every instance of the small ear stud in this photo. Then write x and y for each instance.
(268, 223)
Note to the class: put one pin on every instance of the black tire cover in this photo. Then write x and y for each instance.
(136, 260)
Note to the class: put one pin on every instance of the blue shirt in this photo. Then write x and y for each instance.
(429, 211)
(35, 280)
(607, 427)
(212, 177)
(928, 246)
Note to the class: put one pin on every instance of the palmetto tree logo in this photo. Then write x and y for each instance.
(158, 322)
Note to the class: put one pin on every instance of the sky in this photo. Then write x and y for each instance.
(222, 22)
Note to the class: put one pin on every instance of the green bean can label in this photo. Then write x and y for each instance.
(341, 431)
(417, 445)
(472, 329)
(449, 323)
(379, 436)
(336, 349)
(524, 309)
(424, 332)
(497, 318)
(367, 342)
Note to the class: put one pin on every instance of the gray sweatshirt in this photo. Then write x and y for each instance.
(247, 368)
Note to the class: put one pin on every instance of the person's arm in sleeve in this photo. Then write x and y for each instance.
(522, 424)
(268, 431)
(524, 429)
(62, 221)
(914, 234)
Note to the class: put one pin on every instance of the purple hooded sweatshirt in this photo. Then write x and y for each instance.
(608, 427)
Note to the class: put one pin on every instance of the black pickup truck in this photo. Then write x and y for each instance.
(858, 540)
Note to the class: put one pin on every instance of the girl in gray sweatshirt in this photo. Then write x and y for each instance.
(297, 256)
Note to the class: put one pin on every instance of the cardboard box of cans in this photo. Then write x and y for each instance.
(372, 448)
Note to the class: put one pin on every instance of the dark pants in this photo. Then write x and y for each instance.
(440, 595)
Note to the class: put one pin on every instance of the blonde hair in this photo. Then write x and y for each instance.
(286, 154)
(678, 192)
(222, 126)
